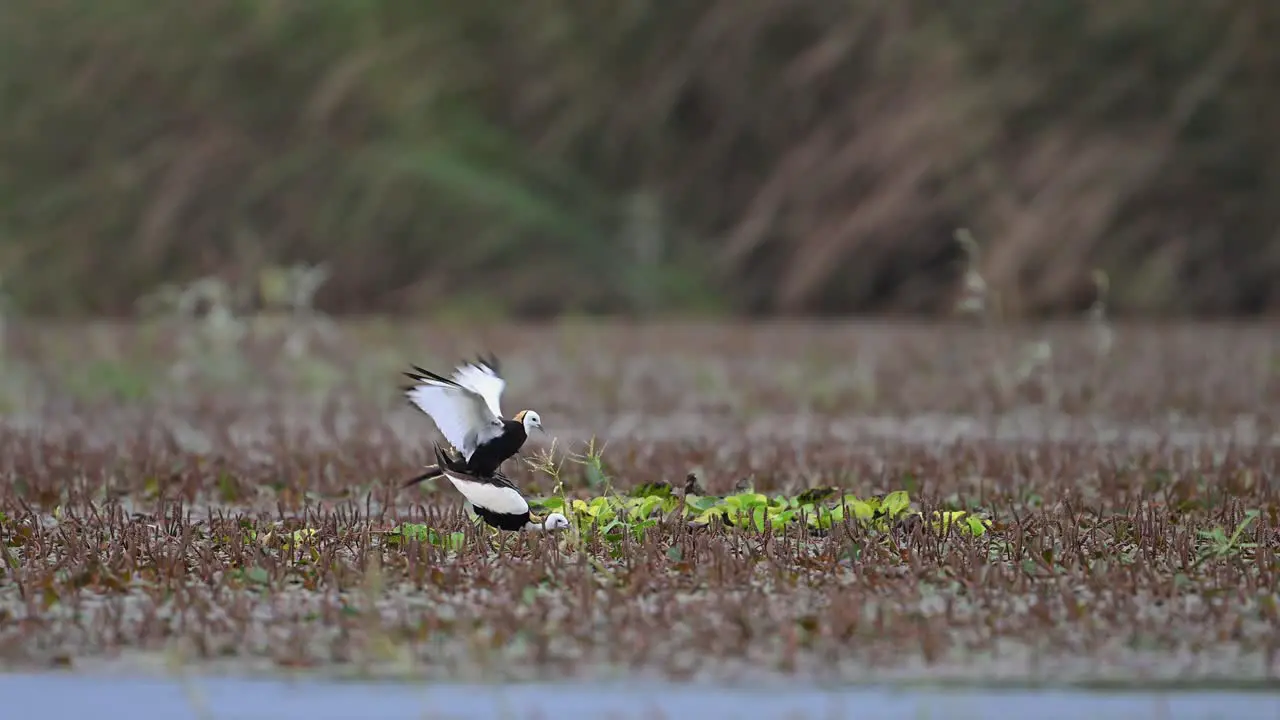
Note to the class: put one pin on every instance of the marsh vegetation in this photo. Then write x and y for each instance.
(223, 493)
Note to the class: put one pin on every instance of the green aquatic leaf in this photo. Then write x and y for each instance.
(409, 531)
(942, 521)
(810, 513)
(298, 537)
(781, 519)
(851, 505)
(824, 517)
(710, 514)
(963, 520)
(614, 514)
(895, 503)
(866, 509)
(646, 507)
(613, 530)
(701, 503)
(639, 529)
(977, 526)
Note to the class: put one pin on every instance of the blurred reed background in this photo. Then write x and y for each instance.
(485, 158)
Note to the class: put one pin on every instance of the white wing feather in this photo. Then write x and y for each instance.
(462, 414)
(482, 380)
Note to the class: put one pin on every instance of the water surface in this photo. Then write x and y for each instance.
(71, 696)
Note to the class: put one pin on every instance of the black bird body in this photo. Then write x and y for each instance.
(495, 499)
(510, 523)
(490, 455)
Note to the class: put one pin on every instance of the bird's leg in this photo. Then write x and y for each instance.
(492, 541)
(495, 542)
(484, 536)
(502, 543)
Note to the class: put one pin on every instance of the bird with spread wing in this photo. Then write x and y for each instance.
(466, 408)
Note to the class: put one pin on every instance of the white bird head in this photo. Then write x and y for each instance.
(555, 521)
(530, 420)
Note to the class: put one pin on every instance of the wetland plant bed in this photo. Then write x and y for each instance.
(169, 496)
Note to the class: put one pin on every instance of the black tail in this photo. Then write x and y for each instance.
(432, 471)
(444, 462)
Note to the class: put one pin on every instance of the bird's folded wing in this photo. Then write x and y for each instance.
(461, 414)
(481, 378)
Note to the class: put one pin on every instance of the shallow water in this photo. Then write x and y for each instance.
(56, 696)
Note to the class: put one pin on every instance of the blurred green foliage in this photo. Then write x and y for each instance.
(556, 156)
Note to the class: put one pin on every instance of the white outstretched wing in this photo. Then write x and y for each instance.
(462, 414)
(482, 378)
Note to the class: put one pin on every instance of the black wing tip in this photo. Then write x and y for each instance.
(487, 361)
(421, 375)
(484, 361)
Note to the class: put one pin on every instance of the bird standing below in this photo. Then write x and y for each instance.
(495, 499)
(466, 409)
